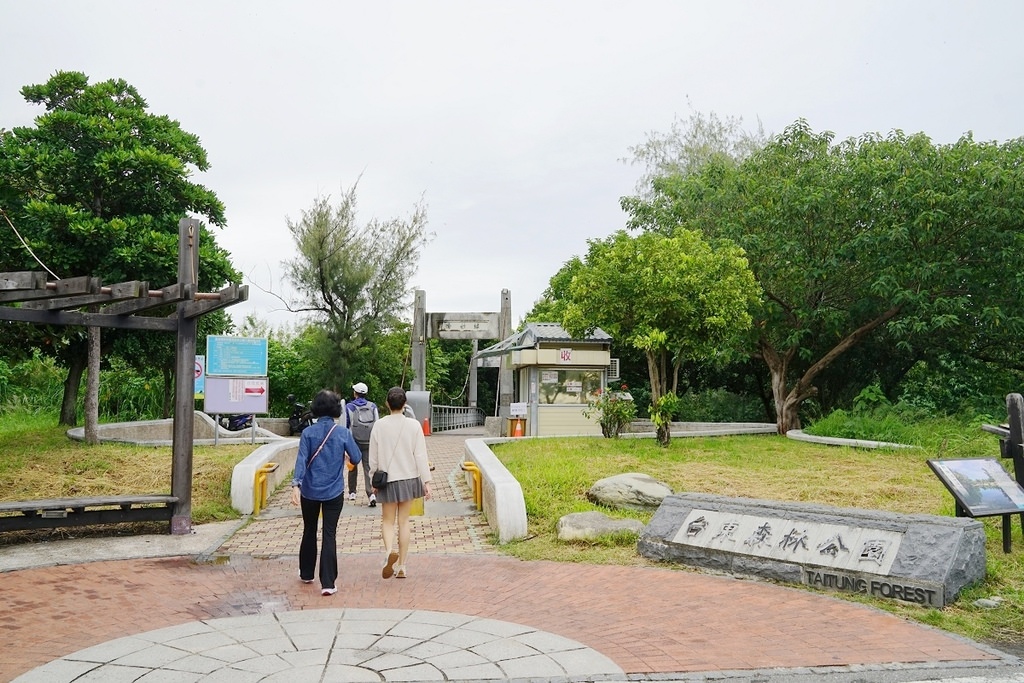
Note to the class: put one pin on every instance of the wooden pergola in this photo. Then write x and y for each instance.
(31, 297)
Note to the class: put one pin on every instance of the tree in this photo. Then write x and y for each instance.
(353, 279)
(675, 297)
(97, 187)
(846, 239)
(691, 144)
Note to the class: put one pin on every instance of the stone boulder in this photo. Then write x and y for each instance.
(588, 526)
(630, 491)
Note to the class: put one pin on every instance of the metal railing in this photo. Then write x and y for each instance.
(443, 418)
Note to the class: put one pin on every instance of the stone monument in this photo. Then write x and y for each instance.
(922, 559)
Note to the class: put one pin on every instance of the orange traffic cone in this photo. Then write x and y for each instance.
(518, 430)
(426, 427)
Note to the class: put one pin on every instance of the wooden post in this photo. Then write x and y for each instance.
(1015, 447)
(184, 380)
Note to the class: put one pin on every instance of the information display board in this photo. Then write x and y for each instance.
(228, 356)
(200, 378)
(980, 485)
(236, 395)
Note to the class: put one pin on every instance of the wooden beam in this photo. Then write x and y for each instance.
(23, 280)
(229, 296)
(72, 285)
(121, 322)
(111, 294)
(168, 295)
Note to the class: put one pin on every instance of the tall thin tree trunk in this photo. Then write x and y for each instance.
(69, 403)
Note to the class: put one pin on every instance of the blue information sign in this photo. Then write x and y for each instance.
(236, 356)
(200, 383)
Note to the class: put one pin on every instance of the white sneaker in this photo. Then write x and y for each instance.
(352, 496)
(373, 500)
(328, 591)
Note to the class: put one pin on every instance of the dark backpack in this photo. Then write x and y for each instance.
(363, 418)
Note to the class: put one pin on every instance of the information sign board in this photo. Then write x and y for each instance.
(236, 395)
(228, 356)
(200, 386)
(980, 485)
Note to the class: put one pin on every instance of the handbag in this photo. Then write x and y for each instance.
(379, 480)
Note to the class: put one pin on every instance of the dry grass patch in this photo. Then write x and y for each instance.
(38, 460)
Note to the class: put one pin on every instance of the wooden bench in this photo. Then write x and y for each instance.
(64, 512)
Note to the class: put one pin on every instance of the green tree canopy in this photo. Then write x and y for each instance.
(97, 187)
(894, 232)
(676, 297)
(353, 279)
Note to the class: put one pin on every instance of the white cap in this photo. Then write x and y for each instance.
(360, 388)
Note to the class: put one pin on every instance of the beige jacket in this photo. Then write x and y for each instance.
(397, 446)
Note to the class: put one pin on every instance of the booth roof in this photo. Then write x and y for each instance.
(535, 334)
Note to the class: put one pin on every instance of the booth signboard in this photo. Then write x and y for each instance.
(464, 325)
(517, 409)
(980, 486)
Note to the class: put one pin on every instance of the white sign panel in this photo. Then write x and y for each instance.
(517, 409)
(236, 395)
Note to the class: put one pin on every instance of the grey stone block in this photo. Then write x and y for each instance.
(923, 559)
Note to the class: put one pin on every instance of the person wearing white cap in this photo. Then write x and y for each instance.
(360, 416)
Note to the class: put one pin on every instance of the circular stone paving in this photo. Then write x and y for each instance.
(333, 645)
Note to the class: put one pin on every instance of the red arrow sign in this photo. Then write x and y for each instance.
(254, 390)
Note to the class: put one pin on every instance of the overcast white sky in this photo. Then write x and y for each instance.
(508, 119)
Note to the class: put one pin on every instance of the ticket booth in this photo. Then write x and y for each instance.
(554, 376)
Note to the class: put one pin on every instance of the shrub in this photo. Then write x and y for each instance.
(719, 405)
(614, 409)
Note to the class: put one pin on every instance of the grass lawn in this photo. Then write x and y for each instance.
(556, 473)
(38, 460)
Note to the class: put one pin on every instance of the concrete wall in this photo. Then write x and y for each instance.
(243, 476)
(160, 432)
(503, 502)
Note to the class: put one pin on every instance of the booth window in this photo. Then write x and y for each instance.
(568, 387)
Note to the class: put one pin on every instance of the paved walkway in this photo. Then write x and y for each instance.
(235, 611)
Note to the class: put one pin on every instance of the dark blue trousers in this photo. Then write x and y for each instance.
(311, 510)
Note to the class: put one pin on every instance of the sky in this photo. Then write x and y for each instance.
(509, 121)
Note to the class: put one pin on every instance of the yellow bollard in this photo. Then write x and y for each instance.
(478, 489)
(259, 489)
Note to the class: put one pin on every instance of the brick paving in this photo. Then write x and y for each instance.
(278, 530)
(650, 621)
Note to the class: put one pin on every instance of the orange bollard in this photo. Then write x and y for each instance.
(426, 427)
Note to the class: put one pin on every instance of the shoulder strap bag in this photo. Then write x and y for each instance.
(320, 447)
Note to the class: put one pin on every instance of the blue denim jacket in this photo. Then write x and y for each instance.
(324, 479)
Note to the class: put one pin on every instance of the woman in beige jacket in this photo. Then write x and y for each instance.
(397, 447)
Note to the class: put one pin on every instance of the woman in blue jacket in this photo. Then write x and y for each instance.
(318, 487)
